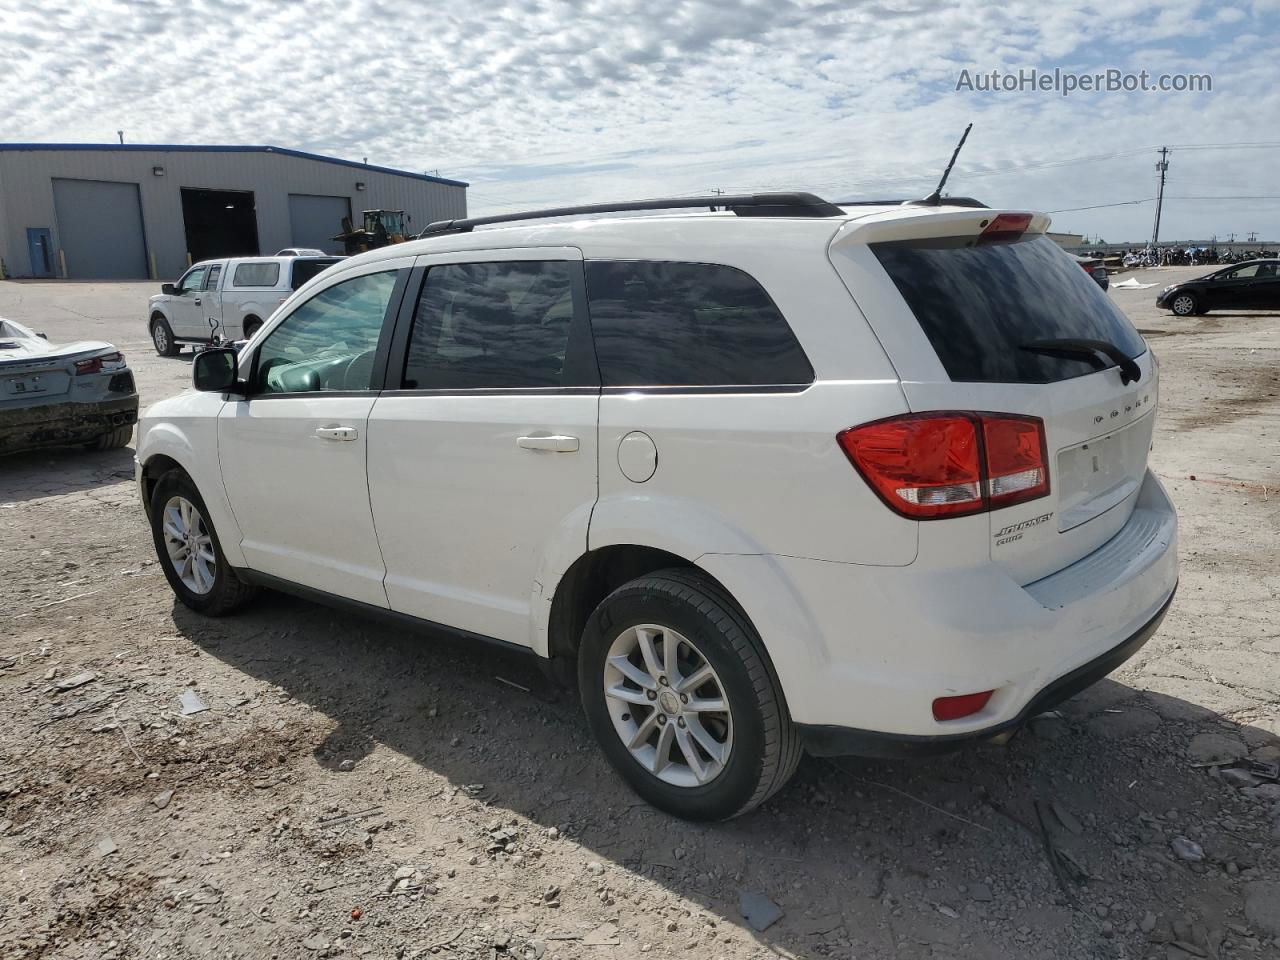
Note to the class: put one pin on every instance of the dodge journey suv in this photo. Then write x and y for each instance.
(768, 476)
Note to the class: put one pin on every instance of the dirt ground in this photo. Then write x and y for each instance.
(353, 790)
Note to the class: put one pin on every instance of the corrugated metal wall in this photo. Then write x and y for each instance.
(26, 179)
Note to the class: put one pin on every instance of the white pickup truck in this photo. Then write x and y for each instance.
(229, 298)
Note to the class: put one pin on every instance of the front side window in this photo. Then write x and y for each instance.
(329, 342)
(491, 325)
(1244, 273)
(256, 274)
(192, 280)
(304, 270)
(689, 325)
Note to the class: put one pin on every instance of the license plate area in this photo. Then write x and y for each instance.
(1100, 473)
(25, 386)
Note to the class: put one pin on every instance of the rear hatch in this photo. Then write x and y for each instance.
(980, 311)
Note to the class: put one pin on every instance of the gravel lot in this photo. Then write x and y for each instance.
(353, 790)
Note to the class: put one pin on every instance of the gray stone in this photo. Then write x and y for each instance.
(161, 800)
(1262, 906)
(980, 892)
(1185, 849)
(1216, 748)
(758, 910)
(1265, 792)
(1148, 922)
(1238, 778)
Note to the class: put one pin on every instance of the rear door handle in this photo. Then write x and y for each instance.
(336, 433)
(197, 301)
(557, 444)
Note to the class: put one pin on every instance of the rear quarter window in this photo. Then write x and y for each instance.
(256, 275)
(980, 303)
(659, 324)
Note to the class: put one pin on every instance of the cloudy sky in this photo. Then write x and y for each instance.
(538, 102)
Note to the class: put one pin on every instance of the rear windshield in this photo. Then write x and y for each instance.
(980, 303)
(304, 270)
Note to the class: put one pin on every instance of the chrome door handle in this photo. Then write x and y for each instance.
(197, 301)
(336, 433)
(556, 444)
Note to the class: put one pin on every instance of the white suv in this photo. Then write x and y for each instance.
(772, 477)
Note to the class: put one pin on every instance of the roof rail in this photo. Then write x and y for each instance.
(902, 201)
(744, 205)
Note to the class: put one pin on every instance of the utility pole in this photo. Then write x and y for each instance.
(120, 134)
(1162, 167)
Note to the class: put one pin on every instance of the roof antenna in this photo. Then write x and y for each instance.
(935, 199)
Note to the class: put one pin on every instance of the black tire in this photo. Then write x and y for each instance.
(162, 337)
(228, 592)
(1185, 305)
(766, 746)
(251, 326)
(117, 438)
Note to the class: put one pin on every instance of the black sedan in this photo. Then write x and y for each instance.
(1246, 286)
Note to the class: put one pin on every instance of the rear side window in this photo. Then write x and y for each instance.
(492, 325)
(979, 304)
(211, 279)
(256, 274)
(688, 325)
(304, 270)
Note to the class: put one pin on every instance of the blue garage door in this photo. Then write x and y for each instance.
(100, 229)
(313, 220)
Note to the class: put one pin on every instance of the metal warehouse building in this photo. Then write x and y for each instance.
(133, 211)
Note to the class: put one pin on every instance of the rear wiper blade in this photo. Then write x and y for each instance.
(1095, 350)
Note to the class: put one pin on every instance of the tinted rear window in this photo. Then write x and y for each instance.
(688, 324)
(304, 270)
(978, 304)
(256, 274)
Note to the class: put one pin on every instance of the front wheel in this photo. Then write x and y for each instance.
(188, 549)
(682, 699)
(162, 337)
(1184, 305)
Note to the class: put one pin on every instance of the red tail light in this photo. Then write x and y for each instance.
(94, 364)
(931, 465)
(953, 708)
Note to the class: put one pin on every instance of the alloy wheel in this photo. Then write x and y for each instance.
(159, 338)
(189, 544)
(1184, 306)
(668, 705)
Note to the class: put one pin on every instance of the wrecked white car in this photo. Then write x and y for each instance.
(63, 394)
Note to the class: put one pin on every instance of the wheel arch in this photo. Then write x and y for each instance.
(165, 446)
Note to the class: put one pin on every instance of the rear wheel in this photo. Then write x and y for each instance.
(681, 697)
(114, 440)
(162, 337)
(251, 326)
(188, 549)
(1184, 305)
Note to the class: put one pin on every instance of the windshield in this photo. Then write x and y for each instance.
(979, 303)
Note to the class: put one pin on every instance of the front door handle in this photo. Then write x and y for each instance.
(556, 444)
(336, 433)
(197, 301)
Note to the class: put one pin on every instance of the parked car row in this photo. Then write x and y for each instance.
(785, 476)
(226, 299)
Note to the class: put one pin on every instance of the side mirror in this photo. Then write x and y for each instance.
(168, 289)
(214, 371)
(43, 336)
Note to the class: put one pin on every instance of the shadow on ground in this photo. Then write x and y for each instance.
(56, 471)
(1068, 824)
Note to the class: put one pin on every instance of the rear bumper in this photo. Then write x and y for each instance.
(68, 422)
(832, 741)
(868, 649)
